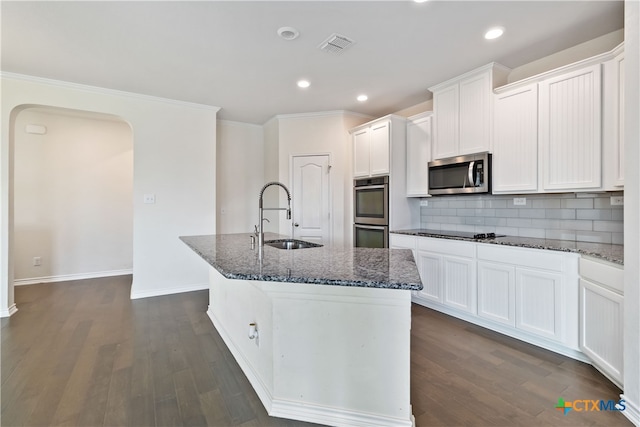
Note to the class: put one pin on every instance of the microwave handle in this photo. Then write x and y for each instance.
(471, 181)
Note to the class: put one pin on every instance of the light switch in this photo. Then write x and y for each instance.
(520, 201)
(149, 198)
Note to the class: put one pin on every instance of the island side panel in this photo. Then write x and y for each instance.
(343, 351)
(233, 305)
(334, 355)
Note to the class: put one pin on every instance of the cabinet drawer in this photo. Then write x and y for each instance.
(533, 258)
(603, 273)
(402, 241)
(447, 247)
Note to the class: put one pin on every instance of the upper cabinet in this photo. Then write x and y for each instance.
(462, 114)
(613, 122)
(372, 148)
(374, 145)
(515, 143)
(560, 131)
(418, 154)
(569, 130)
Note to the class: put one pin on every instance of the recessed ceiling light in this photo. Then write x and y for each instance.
(420, 1)
(303, 83)
(494, 33)
(362, 98)
(288, 33)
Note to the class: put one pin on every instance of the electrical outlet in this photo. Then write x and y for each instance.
(37, 261)
(617, 200)
(520, 201)
(424, 203)
(149, 199)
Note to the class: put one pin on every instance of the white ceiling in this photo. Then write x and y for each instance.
(228, 54)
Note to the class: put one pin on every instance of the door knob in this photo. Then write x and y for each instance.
(296, 224)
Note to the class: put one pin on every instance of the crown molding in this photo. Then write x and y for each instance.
(318, 114)
(237, 123)
(103, 91)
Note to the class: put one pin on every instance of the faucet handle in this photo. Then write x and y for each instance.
(255, 229)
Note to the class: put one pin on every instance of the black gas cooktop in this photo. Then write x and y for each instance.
(464, 234)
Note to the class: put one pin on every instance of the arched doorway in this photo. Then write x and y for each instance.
(72, 189)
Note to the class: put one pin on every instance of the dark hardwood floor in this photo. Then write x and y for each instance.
(81, 353)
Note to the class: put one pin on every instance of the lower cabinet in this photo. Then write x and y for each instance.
(447, 269)
(529, 294)
(497, 292)
(601, 316)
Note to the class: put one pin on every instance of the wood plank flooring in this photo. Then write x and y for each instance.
(81, 353)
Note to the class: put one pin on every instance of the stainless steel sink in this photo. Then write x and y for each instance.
(291, 244)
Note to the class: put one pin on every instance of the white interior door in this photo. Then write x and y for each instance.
(310, 194)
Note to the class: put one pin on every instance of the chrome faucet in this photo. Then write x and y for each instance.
(261, 209)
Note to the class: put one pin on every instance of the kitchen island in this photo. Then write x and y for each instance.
(329, 340)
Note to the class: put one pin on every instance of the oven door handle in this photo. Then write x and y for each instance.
(470, 174)
(370, 187)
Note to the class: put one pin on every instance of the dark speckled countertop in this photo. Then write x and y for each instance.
(233, 257)
(611, 253)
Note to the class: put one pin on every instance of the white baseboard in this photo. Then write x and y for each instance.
(66, 277)
(632, 411)
(9, 311)
(167, 291)
(505, 330)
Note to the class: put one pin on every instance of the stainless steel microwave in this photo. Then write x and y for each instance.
(468, 174)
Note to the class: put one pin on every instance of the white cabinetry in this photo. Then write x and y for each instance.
(372, 148)
(601, 316)
(418, 154)
(569, 129)
(497, 292)
(448, 272)
(560, 131)
(515, 144)
(463, 111)
(613, 122)
(534, 290)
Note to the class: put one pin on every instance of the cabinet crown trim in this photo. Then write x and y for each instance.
(490, 66)
(389, 117)
(598, 59)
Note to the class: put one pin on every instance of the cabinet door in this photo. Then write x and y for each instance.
(515, 143)
(445, 125)
(459, 283)
(380, 148)
(539, 303)
(361, 153)
(619, 152)
(601, 328)
(418, 156)
(475, 114)
(497, 292)
(569, 130)
(430, 268)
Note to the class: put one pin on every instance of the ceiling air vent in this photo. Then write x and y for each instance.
(336, 43)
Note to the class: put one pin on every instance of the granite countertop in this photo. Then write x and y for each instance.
(607, 252)
(233, 257)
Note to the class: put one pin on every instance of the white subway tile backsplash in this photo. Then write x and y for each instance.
(610, 226)
(532, 213)
(583, 217)
(601, 214)
(577, 204)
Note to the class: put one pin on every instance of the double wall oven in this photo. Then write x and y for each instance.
(371, 212)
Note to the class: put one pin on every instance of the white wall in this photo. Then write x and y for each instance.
(174, 158)
(632, 209)
(240, 171)
(321, 133)
(573, 54)
(73, 187)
